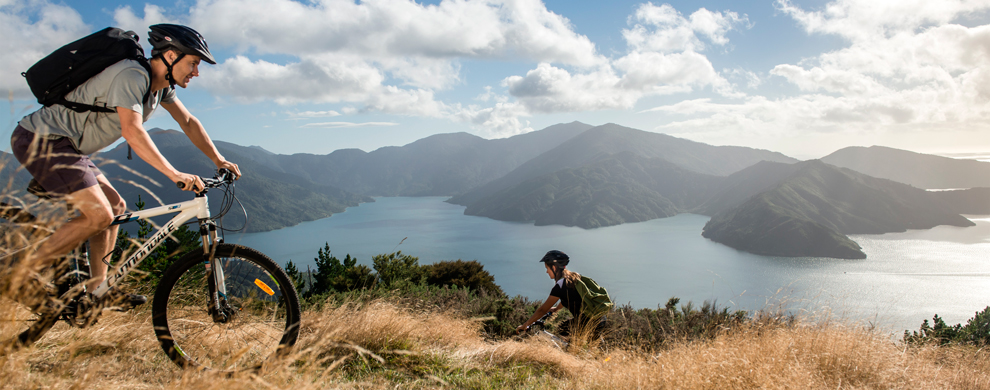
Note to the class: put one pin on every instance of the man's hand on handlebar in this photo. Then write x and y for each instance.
(224, 164)
(187, 182)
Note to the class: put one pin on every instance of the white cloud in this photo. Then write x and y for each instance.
(500, 120)
(905, 64)
(906, 70)
(397, 28)
(383, 55)
(549, 89)
(330, 79)
(31, 30)
(664, 59)
(858, 20)
(392, 56)
(338, 125)
(662, 28)
(311, 114)
(125, 18)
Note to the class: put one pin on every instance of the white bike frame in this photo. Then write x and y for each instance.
(196, 208)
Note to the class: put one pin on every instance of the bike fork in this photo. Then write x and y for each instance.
(215, 277)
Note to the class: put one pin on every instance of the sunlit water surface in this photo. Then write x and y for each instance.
(907, 277)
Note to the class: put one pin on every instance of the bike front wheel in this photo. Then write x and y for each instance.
(200, 326)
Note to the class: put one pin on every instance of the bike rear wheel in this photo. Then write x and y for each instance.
(28, 310)
(259, 314)
(20, 326)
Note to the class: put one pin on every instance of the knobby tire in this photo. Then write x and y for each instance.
(261, 303)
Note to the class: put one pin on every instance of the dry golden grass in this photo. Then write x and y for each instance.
(379, 345)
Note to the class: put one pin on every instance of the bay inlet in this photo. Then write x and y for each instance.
(906, 277)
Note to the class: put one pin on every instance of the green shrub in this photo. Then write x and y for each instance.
(651, 329)
(469, 274)
(975, 332)
(354, 277)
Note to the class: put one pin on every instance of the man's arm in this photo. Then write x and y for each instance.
(132, 129)
(197, 134)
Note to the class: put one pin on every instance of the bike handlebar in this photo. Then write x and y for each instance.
(223, 176)
(542, 320)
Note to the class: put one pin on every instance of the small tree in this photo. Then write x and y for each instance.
(295, 276)
(976, 332)
(938, 332)
(977, 329)
(327, 268)
(396, 268)
(333, 275)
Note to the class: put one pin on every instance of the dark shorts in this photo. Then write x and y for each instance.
(54, 163)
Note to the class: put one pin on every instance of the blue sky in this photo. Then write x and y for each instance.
(804, 78)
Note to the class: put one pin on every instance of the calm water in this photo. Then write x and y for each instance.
(907, 277)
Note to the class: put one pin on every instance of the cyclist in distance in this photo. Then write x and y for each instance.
(54, 143)
(566, 291)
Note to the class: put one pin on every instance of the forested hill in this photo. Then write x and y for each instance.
(613, 190)
(809, 212)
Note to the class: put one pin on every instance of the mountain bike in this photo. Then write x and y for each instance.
(226, 307)
(539, 329)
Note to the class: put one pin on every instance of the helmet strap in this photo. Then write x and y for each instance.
(168, 66)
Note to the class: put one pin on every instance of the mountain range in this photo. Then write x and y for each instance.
(919, 170)
(576, 174)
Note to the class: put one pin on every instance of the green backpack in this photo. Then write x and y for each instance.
(595, 301)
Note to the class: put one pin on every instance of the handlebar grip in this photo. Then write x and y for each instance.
(182, 185)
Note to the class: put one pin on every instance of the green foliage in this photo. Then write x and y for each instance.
(297, 278)
(396, 269)
(650, 329)
(469, 274)
(975, 332)
(327, 267)
(356, 277)
(977, 329)
(332, 275)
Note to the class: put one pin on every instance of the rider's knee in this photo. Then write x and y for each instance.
(98, 219)
(118, 207)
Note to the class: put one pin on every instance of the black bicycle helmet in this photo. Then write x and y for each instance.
(181, 38)
(556, 257)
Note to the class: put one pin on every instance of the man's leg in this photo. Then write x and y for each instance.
(101, 244)
(95, 215)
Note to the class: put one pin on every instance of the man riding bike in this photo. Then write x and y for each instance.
(54, 142)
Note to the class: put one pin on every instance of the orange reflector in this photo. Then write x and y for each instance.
(264, 287)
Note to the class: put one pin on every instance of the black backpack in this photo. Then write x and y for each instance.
(63, 70)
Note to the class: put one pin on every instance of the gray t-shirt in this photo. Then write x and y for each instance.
(120, 85)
